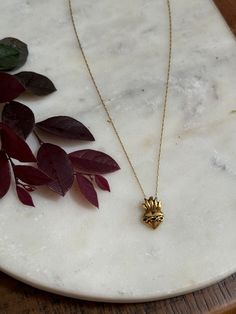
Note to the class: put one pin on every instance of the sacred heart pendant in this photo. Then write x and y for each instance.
(153, 215)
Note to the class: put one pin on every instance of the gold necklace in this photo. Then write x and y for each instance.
(153, 215)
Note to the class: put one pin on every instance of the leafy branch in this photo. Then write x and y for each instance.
(52, 166)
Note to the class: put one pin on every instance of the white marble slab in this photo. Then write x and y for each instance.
(67, 247)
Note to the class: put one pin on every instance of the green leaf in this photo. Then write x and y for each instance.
(9, 57)
(20, 46)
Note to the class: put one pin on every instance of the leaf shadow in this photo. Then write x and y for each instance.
(66, 144)
(28, 97)
(45, 192)
(79, 198)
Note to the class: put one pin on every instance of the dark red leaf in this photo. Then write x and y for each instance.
(24, 196)
(5, 174)
(66, 127)
(14, 145)
(54, 161)
(102, 183)
(87, 189)
(19, 117)
(10, 87)
(92, 161)
(36, 83)
(31, 175)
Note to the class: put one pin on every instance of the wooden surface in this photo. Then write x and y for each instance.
(16, 297)
(228, 10)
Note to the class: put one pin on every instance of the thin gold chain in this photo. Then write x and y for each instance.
(106, 108)
(165, 97)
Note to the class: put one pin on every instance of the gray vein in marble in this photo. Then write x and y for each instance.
(222, 165)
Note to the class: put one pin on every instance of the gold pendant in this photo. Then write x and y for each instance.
(153, 215)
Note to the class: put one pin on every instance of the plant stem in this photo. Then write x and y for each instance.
(38, 138)
(12, 166)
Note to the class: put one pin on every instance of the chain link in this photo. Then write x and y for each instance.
(106, 108)
(165, 98)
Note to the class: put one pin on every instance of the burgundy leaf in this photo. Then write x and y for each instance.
(66, 127)
(102, 183)
(14, 145)
(54, 161)
(31, 175)
(19, 117)
(87, 189)
(5, 174)
(10, 87)
(36, 83)
(92, 161)
(24, 196)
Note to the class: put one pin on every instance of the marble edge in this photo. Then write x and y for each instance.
(131, 299)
